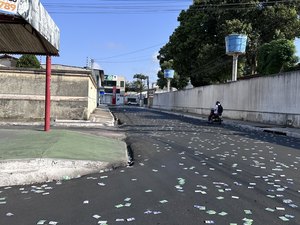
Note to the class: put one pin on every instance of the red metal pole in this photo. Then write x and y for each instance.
(48, 94)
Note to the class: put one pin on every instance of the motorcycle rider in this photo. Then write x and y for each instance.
(216, 112)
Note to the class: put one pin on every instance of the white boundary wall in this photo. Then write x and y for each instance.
(272, 99)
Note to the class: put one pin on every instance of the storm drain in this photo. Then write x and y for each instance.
(276, 132)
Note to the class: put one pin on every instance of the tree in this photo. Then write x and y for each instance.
(276, 56)
(197, 46)
(140, 76)
(178, 81)
(140, 81)
(28, 61)
(130, 86)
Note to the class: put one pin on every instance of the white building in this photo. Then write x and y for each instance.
(8, 61)
(113, 90)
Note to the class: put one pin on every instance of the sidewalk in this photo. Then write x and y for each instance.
(30, 155)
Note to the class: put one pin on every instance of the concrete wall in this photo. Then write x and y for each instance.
(272, 99)
(22, 94)
(92, 97)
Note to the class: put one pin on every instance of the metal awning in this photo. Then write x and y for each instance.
(17, 36)
(27, 28)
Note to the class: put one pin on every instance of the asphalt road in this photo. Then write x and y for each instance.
(186, 172)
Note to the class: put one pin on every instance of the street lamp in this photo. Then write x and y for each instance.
(235, 46)
(169, 74)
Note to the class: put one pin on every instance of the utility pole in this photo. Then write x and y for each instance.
(148, 103)
(141, 90)
(87, 62)
(92, 64)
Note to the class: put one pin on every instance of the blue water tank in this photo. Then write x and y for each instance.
(236, 44)
(169, 74)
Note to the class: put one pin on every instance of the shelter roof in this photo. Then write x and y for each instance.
(28, 30)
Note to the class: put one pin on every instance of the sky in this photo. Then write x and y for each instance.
(122, 36)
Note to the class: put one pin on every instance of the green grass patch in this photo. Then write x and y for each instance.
(62, 144)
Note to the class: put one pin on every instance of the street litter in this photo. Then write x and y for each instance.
(283, 218)
(209, 221)
(200, 207)
(96, 216)
(163, 201)
(211, 212)
(248, 212)
(269, 209)
(223, 213)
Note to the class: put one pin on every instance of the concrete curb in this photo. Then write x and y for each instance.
(40, 170)
(84, 124)
(29, 171)
(87, 124)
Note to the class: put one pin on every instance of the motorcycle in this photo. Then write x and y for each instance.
(215, 118)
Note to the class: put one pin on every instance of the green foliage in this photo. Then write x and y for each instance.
(276, 56)
(140, 76)
(139, 83)
(177, 82)
(28, 61)
(197, 46)
(130, 86)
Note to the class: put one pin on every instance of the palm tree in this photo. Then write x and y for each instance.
(140, 82)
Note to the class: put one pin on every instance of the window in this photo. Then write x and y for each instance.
(122, 84)
(110, 91)
(110, 83)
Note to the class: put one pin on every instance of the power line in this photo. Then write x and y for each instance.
(241, 5)
(129, 53)
(128, 61)
(104, 6)
(153, 6)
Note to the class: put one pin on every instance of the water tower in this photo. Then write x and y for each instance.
(235, 46)
(169, 74)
